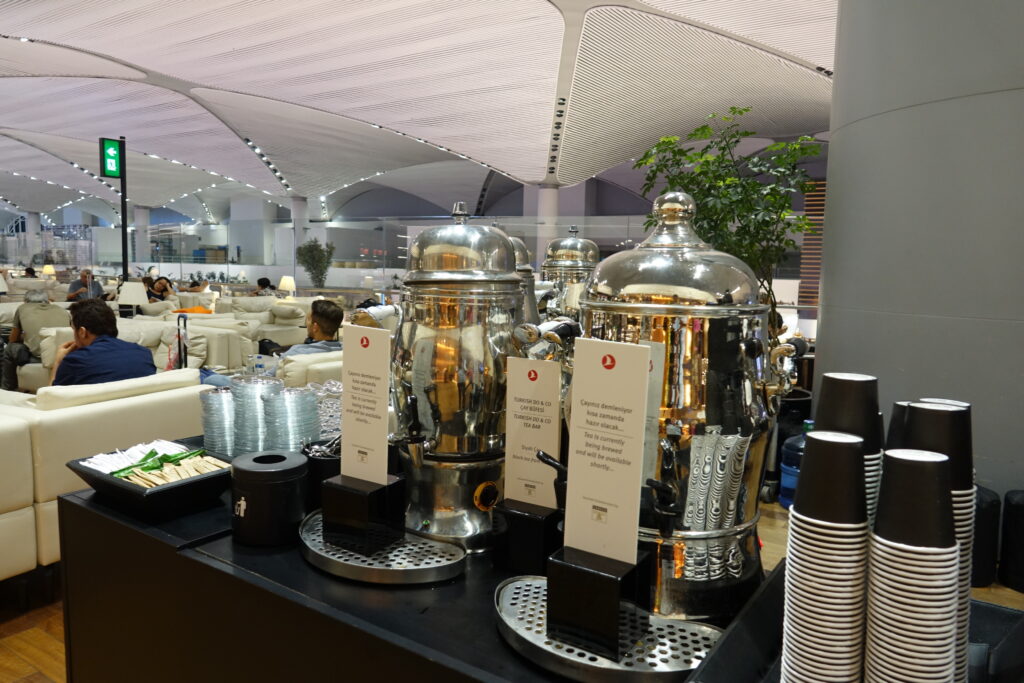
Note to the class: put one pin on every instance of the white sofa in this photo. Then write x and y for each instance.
(17, 513)
(300, 370)
(17, 286)
(275, 319)
(157, 336)
(66, 423)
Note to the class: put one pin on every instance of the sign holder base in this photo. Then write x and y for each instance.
(532, 533)
(354, 506)
(587, 592)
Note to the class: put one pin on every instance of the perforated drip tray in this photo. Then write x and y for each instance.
(662, 649)
(383, 556)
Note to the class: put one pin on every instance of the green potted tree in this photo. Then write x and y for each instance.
(315, 258)
(744, 203)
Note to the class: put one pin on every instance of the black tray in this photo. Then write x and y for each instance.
(160, 502)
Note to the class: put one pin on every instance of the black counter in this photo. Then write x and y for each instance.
(180, 601)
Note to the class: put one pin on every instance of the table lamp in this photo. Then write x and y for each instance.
(132, 294)
(287, 284)
(49, 270)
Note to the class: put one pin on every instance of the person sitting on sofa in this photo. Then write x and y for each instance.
(264, 288)
(323, 322)
(96, 354)
(30, 271)
(161, 289)
(86, 287)
(29, 319)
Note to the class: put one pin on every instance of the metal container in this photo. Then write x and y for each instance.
(568, 262)
(700, 311)
(461, 301)
(524, 268)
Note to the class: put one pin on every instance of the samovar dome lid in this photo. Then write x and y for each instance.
(461, 253)
(673, 266)
(571, 252)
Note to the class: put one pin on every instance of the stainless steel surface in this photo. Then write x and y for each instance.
(461, 253)
(388, 559)
(530, 314)
(461, 302)
(663, 649)
(568, 262)
(452, 501)
(714, 421)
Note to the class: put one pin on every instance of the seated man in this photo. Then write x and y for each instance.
(85, 287)
(322, 323)
(29, 319)
(97, 355)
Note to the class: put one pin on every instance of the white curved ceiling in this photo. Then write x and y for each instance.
(335, 91)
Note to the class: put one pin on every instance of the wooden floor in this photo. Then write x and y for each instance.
(32, 644)
(32, 647)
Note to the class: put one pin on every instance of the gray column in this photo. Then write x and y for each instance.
(923, 284)
(141, 223)
(546, 198)
(33, 235)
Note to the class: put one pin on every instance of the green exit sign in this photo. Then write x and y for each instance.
(111, 163)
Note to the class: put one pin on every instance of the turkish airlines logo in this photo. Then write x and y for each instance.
(608, 361)
(532, 375)
(364, 342)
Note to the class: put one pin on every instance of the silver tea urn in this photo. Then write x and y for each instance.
(461, 301)
(568, 262)
(700, 310)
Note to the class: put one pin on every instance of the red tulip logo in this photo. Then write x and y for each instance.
(608, 361)
(364, 342)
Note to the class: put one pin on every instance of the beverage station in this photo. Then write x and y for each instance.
(564, 485)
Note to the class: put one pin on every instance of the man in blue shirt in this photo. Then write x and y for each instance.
(97, 355)
(85, 287)
(322, 324)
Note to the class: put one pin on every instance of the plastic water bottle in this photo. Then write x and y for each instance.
(792, 454)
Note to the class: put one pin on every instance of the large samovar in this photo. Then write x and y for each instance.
(568, 262)
(460, 303)
(700, 310)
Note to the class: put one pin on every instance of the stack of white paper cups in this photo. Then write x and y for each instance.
(944, 426)
(848, 402)
(826, 565)
(913, 573)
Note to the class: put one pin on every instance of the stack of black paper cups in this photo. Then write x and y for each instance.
(944, 427)
(826, 565)
(848, 402)
(913, 572)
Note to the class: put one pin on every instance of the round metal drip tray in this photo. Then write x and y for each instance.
(660, 649)
(382, 556)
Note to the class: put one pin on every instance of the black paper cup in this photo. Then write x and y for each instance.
(894, 438)
(943, 428)
(914, 503)
(831, 484)
(848, 402)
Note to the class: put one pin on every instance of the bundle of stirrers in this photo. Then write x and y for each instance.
(717, 461)
(189, 467)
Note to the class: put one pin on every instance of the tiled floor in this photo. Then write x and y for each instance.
(32, 644)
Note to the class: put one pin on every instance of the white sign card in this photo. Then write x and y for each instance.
(606, 447)
(366, 377)
(655, 382)
(532, 423)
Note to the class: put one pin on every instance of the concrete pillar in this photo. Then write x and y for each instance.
(300, 225)
(922, 277)
(33, 235)
(547, 218)
(141, 222)
(579, 200)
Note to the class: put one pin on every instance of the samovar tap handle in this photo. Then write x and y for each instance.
(561, 477)
(782, 375)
